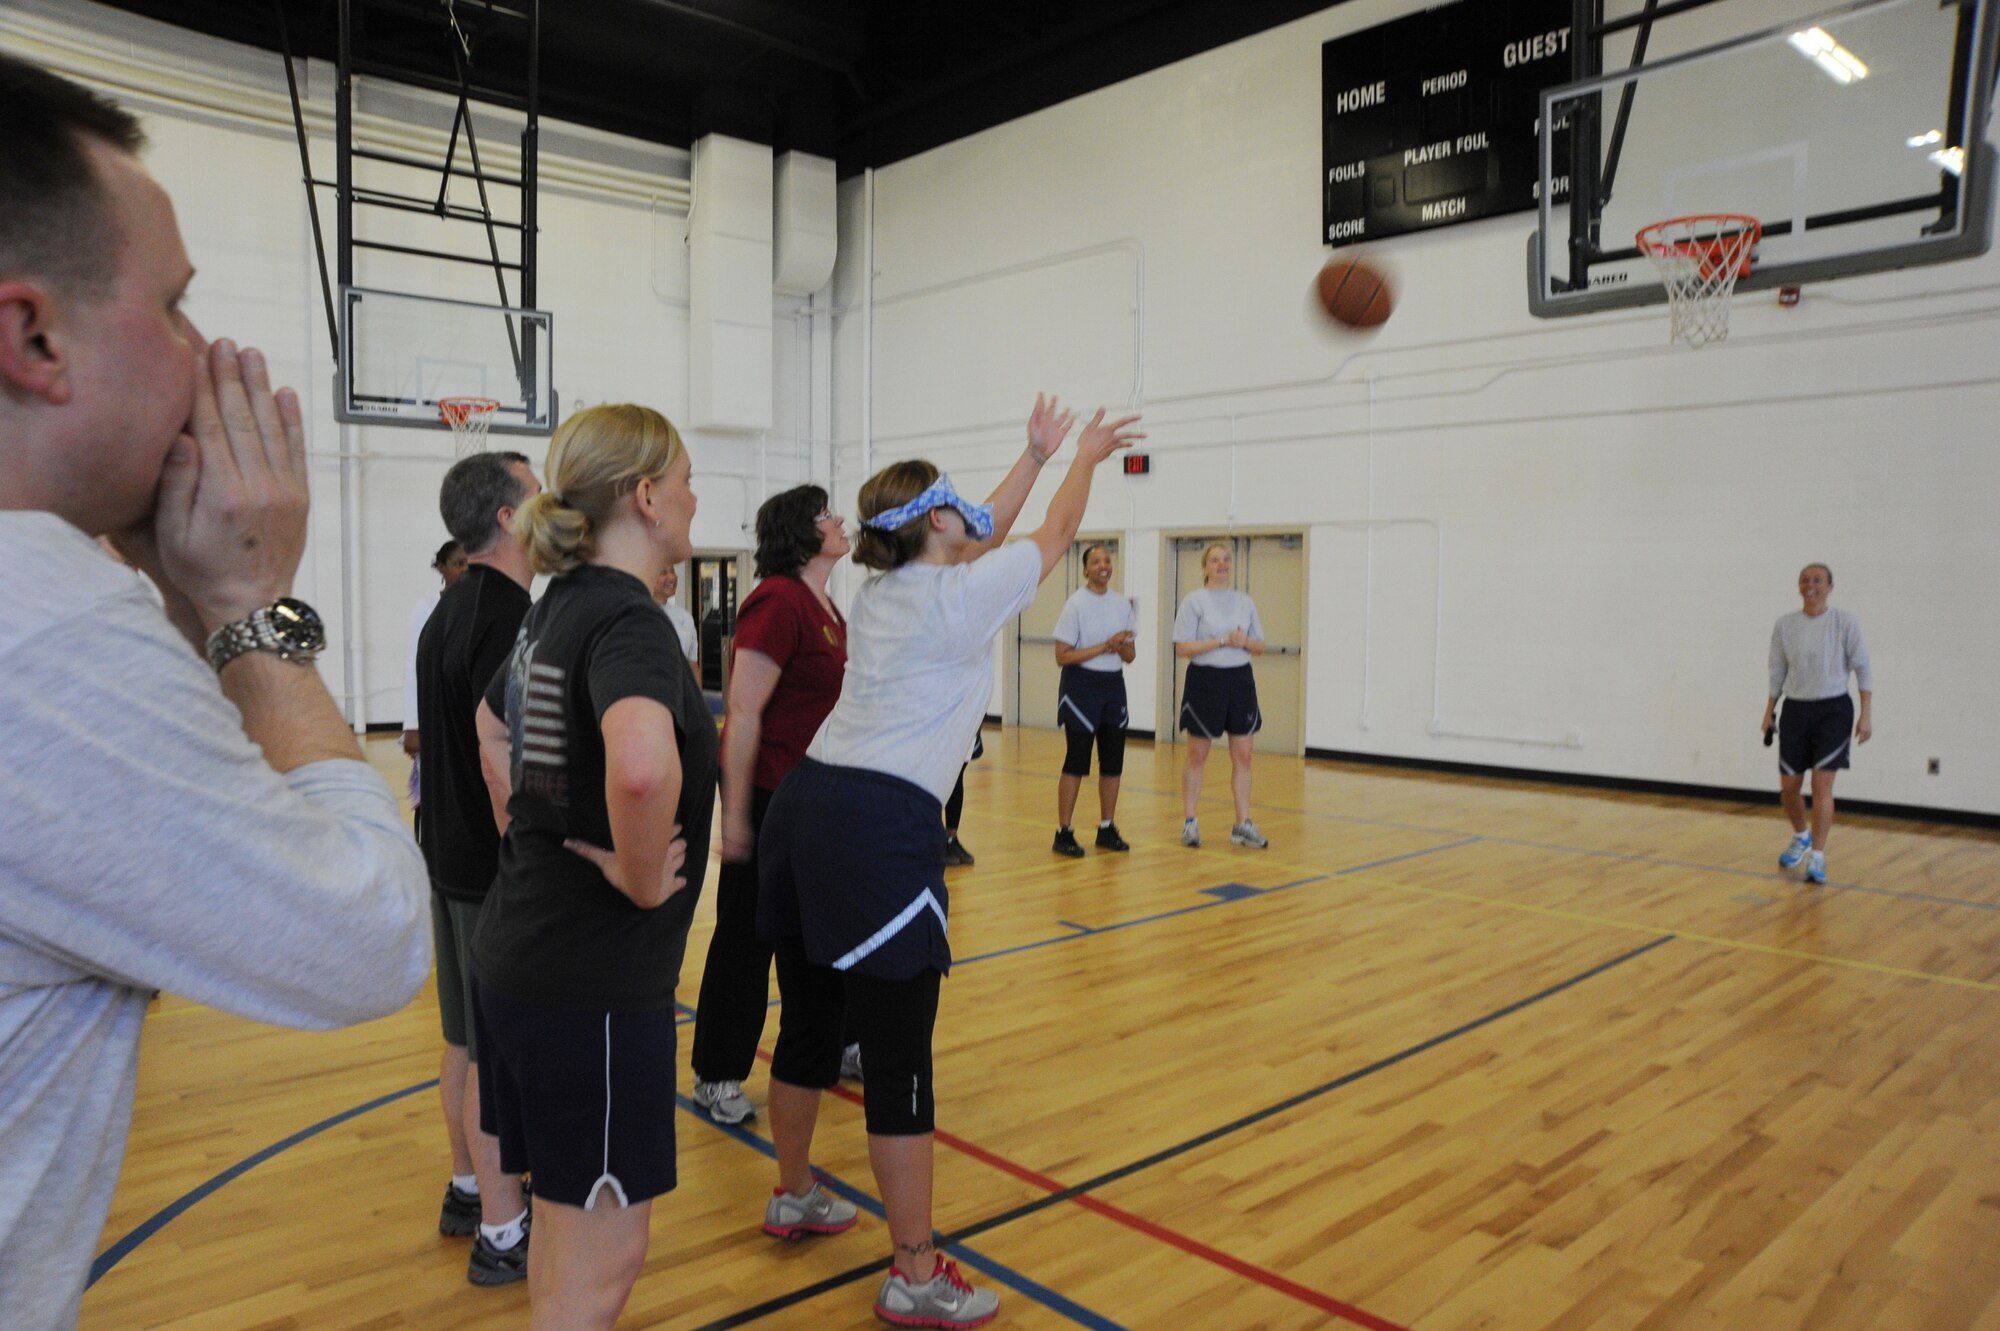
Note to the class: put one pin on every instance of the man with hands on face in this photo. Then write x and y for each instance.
(182, 805)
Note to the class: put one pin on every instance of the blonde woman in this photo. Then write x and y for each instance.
(601, 756)
(1217, 633)
(1813, 650)
(852, 857)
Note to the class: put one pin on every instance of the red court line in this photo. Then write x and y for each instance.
(1193, 1247)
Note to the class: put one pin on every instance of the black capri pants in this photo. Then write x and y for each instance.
(891, 1019)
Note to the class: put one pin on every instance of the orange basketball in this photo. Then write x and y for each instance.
(1355, 292)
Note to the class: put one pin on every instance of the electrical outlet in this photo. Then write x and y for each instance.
(1932, 767)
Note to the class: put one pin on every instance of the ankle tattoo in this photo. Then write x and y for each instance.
(916, 1249)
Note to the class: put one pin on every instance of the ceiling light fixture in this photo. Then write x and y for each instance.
(1841, 65)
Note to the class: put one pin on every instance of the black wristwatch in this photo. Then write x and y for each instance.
(289, 627)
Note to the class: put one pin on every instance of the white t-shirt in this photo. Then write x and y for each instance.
(1208, 613)
(418, 618)
(1089, 618)
(683, 623)
(920, 665)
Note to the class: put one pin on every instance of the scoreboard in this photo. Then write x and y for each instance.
(1431, 119)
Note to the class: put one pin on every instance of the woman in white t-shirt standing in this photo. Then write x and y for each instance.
(1217, 632)
(1094, 637)
(851, 859)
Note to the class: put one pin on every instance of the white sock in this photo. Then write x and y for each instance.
(506, 1236)
(467, 1183)
(1106, 823)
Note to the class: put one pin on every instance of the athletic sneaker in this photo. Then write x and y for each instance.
(460, 1217)
(1190, 834)
(1066, 844)
(1245, 833)
(490, 1266)
(1796, 851)
(724, 1101)
(945, 1300)
(850, 1063)
(1108, 839)
(1816, 867)
(956, 856)
(818, 1212)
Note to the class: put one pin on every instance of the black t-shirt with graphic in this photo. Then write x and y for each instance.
(468, 637)
(553, 931)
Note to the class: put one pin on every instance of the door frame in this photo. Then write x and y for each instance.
(1166, 719)
(741, 559)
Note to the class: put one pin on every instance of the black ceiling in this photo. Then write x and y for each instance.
(866, 81)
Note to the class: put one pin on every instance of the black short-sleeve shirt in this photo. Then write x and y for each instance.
(553, 931)
(464, 643)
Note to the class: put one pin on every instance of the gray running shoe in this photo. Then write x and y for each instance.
(1190, 833)
(724, 1101)
(460, 1216)
(490, 1266)
(945, 1300)
(850, 1063)
(1245, 833)
(818, 1212)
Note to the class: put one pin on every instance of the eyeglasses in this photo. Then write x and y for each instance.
(827, 515)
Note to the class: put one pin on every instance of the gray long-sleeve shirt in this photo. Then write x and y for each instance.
(145, 844)
(1811, 655)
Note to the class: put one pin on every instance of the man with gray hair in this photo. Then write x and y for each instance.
(465, 642)
(205, 826)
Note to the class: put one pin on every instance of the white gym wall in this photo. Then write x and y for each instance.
(1620, 521)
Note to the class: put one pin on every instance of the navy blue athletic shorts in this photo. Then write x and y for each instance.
(851, 863)
(1815, 734)
(1091, 700)
(582, 1100)
(1220, 700)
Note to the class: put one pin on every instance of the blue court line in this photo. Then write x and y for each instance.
(118, 1251)
(1407, 855)
(1089, 930)
(1086, 930)
(1100, 1181)
(123, 1248)
(1014, 1280)
(1761, 875)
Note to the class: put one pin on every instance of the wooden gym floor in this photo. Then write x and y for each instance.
(1452, 1054)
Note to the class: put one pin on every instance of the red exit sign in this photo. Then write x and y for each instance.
(1138, 464)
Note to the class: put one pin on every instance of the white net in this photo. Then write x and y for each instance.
(468, 418)
(1699, 260)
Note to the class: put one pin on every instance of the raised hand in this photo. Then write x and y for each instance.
(1101, 438)
(229, 522)
(1048, 426)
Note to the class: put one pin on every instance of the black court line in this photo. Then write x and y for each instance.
(974, 1230)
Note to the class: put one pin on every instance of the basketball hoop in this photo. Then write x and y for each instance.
(468, 418)
(1699, 260)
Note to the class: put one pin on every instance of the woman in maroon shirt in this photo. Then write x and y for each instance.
(791, 651)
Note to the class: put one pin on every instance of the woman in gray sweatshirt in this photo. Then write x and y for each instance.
(1812, 651)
